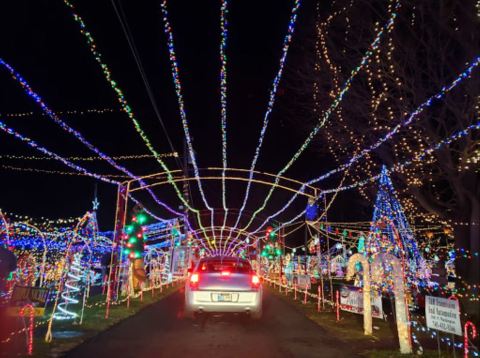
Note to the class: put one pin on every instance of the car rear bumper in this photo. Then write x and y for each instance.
(244, 301)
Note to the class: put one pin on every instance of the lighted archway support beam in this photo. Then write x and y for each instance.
(233, 174)
(240, 233)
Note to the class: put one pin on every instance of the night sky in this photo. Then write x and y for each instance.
(42, 42)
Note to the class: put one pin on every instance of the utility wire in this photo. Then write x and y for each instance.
(131, 43)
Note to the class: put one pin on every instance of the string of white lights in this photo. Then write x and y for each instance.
(323, 214)
(272, 97)
(223, 103)
(181, 106)
(394, 168)
(50, 114)
(338, 99)
(72, 112)
(126, 107)
(56, 172)
(74, 166)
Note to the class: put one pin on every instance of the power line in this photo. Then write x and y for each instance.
(131, 43)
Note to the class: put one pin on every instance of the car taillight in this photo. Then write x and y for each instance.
(194, 280)
(255, 281)
(225, 273)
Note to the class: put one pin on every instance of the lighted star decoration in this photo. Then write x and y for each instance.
(95, 204)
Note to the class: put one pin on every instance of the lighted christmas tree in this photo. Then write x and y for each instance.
(272, 248)
(390, 231)
(135, 248)
(135, 243)
(71, 289)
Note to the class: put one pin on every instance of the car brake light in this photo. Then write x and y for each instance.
(225, 273)
(255, 280)
(194, 279)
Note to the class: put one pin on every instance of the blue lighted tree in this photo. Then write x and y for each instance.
(390, 230)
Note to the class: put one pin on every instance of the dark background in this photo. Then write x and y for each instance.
(41, 40)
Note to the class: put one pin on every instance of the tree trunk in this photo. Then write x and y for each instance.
(467, 237)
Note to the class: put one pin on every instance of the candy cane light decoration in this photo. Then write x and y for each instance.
(367, 306)
(30, 326)
(465, 336)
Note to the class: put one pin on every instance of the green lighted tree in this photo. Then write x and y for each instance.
(272, 248)
(135, 237)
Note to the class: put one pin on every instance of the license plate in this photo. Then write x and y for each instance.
(224, 297)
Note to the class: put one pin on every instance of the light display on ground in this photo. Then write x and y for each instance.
(71, 290)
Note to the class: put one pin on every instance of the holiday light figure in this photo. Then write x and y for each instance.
(71, 290)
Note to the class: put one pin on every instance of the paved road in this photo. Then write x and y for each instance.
(161, 331)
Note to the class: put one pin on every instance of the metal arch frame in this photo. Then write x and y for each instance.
(240, 232)
(162, 179)
(235, 211)
(236, 230)
(215, 173)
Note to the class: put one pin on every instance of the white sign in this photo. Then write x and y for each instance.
(351, 300)
(443, 315)
(303, 282)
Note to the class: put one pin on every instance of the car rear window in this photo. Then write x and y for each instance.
(224, 265)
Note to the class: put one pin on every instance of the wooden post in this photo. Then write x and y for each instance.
(453, 297)
(318, 298)
(104, 284)
(329, 266)
(128, 295)
(338, 305)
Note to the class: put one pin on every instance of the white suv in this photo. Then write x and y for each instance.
(223, 284)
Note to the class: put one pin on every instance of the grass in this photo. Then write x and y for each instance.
(349, 329)
(93, 323)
